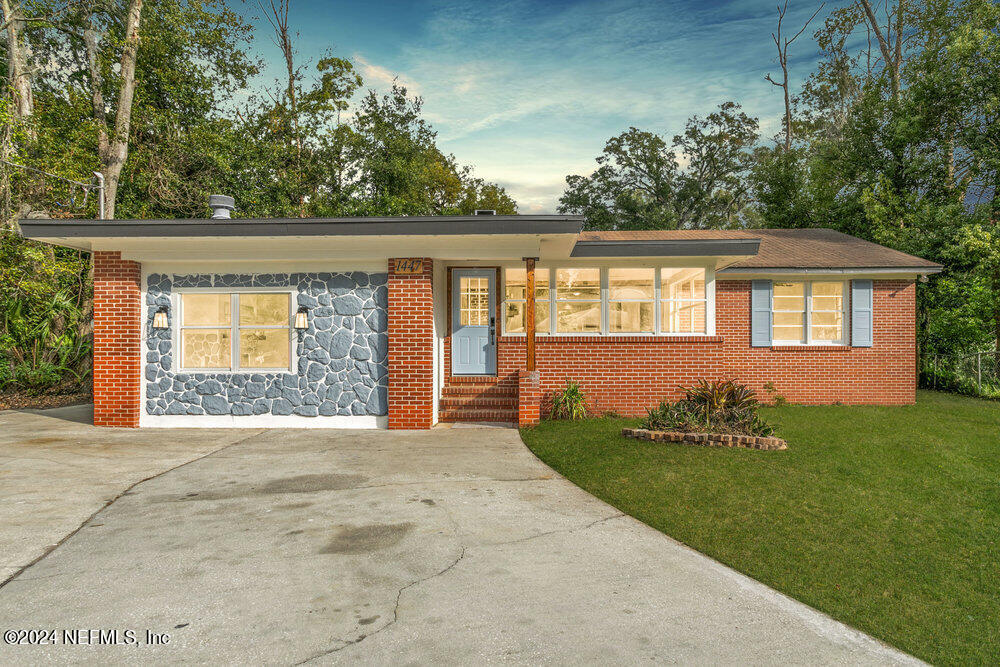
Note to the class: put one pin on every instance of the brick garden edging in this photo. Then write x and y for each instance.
(707, 439)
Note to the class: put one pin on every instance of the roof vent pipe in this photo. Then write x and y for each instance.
(486, 211)
(221, 205)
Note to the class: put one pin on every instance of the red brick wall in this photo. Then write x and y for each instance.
(411, 348)
(117, 340)
(529, 398)
(629, 374)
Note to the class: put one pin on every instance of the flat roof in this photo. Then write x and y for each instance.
(437, 225)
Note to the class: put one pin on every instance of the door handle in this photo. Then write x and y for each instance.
(492, 328)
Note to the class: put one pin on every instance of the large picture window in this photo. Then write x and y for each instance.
(683, 301)
(257, 338)
(578, 300)
(808, 312)
(612, 301)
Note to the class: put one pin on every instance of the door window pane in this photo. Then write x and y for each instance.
(474, 301)
(263, 309)
(205, 309)
(206, 348)
(264, 348)
(578, 317)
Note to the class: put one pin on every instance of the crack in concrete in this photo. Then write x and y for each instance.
(558, 531)
(345, 643)
(111, 501)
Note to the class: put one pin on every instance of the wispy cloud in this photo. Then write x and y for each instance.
(377, 76)
(529, 91)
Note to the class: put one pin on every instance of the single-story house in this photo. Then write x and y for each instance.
(403, 322)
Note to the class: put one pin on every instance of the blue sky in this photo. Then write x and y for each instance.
(528, 92)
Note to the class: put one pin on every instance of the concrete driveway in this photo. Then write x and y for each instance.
(449, 546)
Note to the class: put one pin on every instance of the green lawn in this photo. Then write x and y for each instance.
(885, 518)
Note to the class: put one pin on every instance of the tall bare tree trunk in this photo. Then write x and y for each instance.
(783, 44)
(277, 16)
(17, 63)
(892, 54)
(116, 150)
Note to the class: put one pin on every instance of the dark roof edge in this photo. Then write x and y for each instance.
(896, 268)
(403, 226)
(666, 248)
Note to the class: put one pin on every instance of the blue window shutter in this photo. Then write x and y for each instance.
(861, 313)
(760, 313)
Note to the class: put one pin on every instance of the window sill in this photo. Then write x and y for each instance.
(613, 338)
(792, 347)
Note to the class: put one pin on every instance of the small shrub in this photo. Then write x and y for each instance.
(711, 407)
(776, 398)
(569, 402)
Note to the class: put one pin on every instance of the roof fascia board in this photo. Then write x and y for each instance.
(442, 226)
(667, 248)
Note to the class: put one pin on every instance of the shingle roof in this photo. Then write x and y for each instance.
(788, 248)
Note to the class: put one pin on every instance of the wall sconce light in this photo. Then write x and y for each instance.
(160, 318)
(301, 321)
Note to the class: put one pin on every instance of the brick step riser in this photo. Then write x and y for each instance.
(478, 403)
(475, 379)
(484, 392)
(508, 416)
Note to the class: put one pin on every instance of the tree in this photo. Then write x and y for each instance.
(639, 184)
(783, 43)
(18, 76)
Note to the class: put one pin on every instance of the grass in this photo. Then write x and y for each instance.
(886, 518)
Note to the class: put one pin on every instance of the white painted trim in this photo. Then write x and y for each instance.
(262, 421)
(264, 265)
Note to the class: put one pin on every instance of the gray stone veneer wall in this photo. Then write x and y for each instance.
(341, 358)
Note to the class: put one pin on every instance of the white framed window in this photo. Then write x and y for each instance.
(683, 301)
(578, 301)
(234, 331)
(612, 300)
(515, 292)
(809, 312)
(631, 300)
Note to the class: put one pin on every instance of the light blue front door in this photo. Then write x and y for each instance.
(473, 336)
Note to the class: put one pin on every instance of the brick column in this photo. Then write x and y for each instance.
(411, 345)
(529, 398)
(117, 340)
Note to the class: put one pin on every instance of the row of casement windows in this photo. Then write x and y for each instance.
(610, 300)
(592, 301)
(675, 301)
